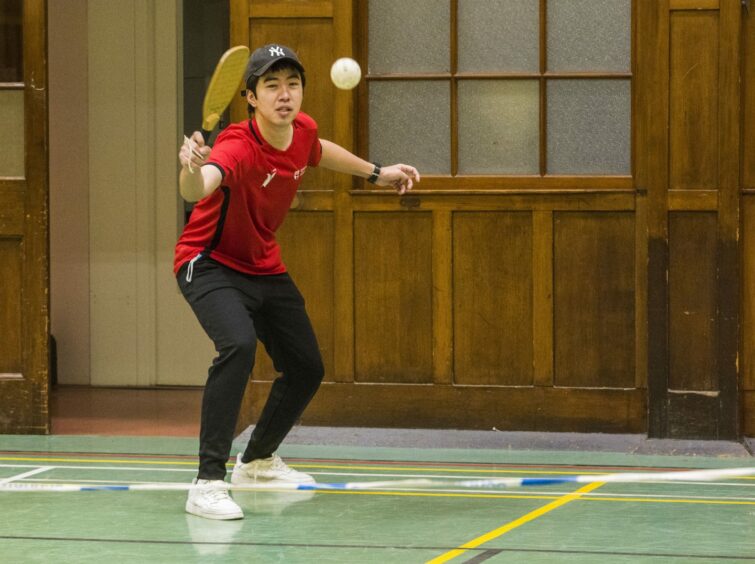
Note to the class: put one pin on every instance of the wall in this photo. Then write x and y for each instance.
(69, 187)
(118, 317)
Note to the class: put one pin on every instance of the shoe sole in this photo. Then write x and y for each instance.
(195, 510)
(245, 481)
(240, 481)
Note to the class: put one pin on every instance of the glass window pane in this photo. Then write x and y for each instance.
(588, 126)
(410, 123)
(409, 36)
(589, 35)
(499, 129)
(11, 41)
(499, 35)
(12, 118)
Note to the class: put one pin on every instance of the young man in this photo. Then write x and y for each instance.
(229, 269)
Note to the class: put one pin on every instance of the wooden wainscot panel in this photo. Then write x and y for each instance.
(594, 301)
(11, 207)
(492, 298)
(694, 100)
(393, 293)
(11, 320)
(692, 301)
(306, 241)
(694, 4)
(748, 313)
(291, 8)
(470, 407)
(748, 100)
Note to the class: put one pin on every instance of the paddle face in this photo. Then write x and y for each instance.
(224, 85)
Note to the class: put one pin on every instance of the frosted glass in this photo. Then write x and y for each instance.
(12, 118)
(499, 127)
(589, 35)
(588, 126)
(498, 35)
(410, 123)
(407, 36)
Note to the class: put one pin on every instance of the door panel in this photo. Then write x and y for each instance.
(24, 307)
(393, 297)
(594, 299)
(493, 336)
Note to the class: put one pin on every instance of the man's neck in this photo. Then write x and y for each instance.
(278, 137)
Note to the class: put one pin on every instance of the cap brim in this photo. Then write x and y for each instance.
(263, 69)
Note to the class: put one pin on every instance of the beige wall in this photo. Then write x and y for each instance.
(115, 98)
(69, 187)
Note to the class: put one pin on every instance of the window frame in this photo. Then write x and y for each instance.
(484, 183)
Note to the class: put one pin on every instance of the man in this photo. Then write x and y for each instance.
(229, 269)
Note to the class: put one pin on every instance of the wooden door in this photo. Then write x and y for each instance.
(691, 171)
(530, 294)
(24, 318)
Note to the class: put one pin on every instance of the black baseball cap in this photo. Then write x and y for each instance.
(266, 56)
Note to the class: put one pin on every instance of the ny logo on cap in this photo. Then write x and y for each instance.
(276, 51)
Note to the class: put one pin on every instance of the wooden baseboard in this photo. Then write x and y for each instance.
(748, 408)
(455, 407)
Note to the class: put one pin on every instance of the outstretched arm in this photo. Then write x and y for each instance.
(334, 157)
(196, 181)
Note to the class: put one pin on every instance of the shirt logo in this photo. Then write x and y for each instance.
(270, 176)
(276, 51)
(299, 173)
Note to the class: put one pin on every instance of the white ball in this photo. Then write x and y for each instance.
(345, 73)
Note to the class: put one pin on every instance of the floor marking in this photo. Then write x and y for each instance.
(315, 466)
(96, 468)
(531, 516)
(433, 492)
(507, 493)
(91, 460)
(34, 472)
(332, 546)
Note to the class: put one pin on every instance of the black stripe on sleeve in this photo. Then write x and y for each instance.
(220, 168)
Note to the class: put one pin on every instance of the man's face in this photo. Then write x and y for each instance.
(278, 97)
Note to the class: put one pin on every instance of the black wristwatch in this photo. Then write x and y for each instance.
(375, 174)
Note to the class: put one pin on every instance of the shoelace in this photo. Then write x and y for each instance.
(278, 464)
(217, 494)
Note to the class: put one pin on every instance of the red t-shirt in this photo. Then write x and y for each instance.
(236, 224)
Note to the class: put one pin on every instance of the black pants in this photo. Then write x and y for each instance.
(235, 310)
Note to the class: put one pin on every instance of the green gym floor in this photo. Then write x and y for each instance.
(573, 523)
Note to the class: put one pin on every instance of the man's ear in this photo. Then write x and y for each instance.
(251, 98)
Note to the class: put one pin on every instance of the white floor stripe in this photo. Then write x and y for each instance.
(743, 484)
(37, 470)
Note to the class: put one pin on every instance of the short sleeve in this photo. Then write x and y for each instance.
(316, 153)
(229, 148)
(308, 127)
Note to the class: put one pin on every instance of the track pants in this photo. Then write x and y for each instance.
(235, 310)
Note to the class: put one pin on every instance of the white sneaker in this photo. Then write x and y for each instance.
(212, 501)
(267, 470)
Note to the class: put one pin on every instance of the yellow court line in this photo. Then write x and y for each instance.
(97, 461)
(672, 500)
(534, 496)
(308, 466)
(441, 469)
(474, 543)
(329, 466)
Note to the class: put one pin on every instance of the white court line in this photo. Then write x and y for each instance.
(503, 491)
(371, 475)
(37, 470)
